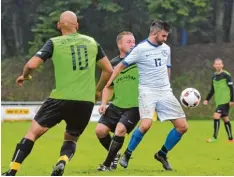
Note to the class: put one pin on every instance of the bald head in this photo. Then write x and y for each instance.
(68, 17)
(68, 22)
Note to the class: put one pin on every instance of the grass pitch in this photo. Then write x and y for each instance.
(192, 156)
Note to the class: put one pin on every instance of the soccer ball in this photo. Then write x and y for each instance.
(190, 97)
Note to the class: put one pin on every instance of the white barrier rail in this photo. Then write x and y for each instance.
(18, 111)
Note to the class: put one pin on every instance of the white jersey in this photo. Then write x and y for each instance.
(152, 62)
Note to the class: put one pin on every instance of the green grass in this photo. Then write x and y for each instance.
(192, 156)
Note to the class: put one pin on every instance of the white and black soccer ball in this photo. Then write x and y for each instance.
(190, 97)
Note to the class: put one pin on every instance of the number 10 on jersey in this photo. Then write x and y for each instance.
(83, 49)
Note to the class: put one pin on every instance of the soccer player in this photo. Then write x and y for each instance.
(222, 89)
(74, 57)
(153, 59)
(123, 114)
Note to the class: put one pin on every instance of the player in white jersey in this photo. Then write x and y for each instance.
(153, 59)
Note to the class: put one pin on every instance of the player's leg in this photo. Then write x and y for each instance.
(128, 121)
(24, 147)
(110, 162)
(174, 136)
(146, 108)
(67, 151)
(77, 115)
(228, 128)
(169, 108)
(46, 117)
(107, 123)
(135, 140)
(103, 135)
(227, 123)
(216, 118)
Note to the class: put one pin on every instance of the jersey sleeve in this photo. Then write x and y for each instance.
(46, 51)
(211, 93)
(115, 61)
(169, 59)
(132, 57)
(100, 53)
(230, 85)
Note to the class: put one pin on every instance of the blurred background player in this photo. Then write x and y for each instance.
(153, 59)
(222, 89)
(122, 114)
(74, 57)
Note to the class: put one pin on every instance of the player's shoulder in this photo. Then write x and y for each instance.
(79, 36)
(146, 43)
(226, 73)
(115, 61)
(86, 37)
(54, 39)
(142, 44)
(164, 45)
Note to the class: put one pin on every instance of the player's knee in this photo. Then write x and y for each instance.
(225, 119)
(30, 136)
(101, 132)
(183, 128)
(33, 135)
(35, 131)
(216, 116)
(120, 130)
(145, 125)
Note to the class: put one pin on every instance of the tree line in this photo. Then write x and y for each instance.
(27, 24)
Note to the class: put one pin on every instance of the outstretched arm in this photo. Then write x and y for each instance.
(115, 73)
(42, 55)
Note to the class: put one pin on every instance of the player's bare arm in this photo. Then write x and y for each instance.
(32, 64)
(115, 73)
(107, 95)
(209, 96)
(107, 69)
(169, 72)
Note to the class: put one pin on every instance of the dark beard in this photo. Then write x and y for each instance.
(160, 43)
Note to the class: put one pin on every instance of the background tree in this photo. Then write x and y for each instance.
(183, 15)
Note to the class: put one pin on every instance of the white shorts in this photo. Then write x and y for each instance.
(164, 102)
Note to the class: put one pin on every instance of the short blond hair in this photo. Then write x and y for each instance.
(218, 59)
(123, 33)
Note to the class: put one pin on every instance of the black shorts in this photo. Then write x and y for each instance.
(223, 109)
(76, 114)
(129, 117)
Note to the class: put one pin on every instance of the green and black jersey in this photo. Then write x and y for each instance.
(221, 88)
(74, 57)
(125, 86)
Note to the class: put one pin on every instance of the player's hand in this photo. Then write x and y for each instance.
(20, 81)
(231, 103)
(102, 109)
(205, 102)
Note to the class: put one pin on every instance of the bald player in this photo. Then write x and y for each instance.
(74, 57)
